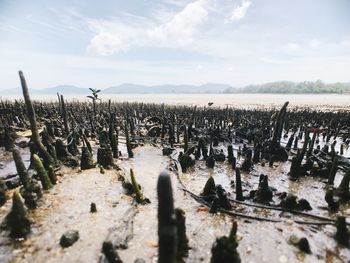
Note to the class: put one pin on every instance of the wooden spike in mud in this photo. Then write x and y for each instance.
(342, 234)
(182, 240)
(52, 175)
(233, 232)
(93, 208)
(263, 194)
(279, 124)
(230, 154)
(72, 143)
(48, 160)
(64, 116)
(209, 188)
(30, 190)
(171, 135)
(105, 156)
(312, 144)
(332, 204)
(114, 144)
(87, 143)
(128, 144)
(21, 169)
(16, 221)
(8, 141)
(295, 146)
(42, 173)
(112, 132)
(185, 139)
(52, 151)
(3, 197)
(224, 248)
(59, 102)
(290, 142)
(167, 242)
(303, 150)
(295, 168)
(333, 171)
(239, 192)
(343, 188)
(136, 187)
(86, 160)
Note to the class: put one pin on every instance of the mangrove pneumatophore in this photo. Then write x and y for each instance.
(86, 159)
(16, 221)
(263, 194)
(30, 190)
(105, 156)
(139, 197)
(127, 138)
(239, 191)
(3, 197)
(42, 173)
(33, 124)
(185, 161)
(342, 234)
(343, 189)
(182, 240)
(167, 230)
(224, 248)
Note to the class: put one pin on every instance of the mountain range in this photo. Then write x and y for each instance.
(126, 88)
(284, 87)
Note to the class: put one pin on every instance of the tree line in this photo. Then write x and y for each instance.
(316, 87)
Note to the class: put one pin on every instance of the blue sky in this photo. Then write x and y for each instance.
(103, 43)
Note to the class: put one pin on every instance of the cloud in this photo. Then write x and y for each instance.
(292, 47)
(269, 60)
(114, 36)
(345, 43)
(240, 11)
(314, 43)
(106, 43)
(182, 27)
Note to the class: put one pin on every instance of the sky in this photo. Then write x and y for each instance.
(104, 43)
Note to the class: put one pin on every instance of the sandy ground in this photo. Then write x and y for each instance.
(318, 101)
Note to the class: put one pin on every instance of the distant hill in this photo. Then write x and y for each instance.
(282, 87)
(64, 89)
(287, 87)
(126, 88)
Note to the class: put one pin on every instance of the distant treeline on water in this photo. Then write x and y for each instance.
(293, 87)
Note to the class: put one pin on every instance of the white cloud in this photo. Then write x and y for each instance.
(106, 43)
(240, 11)
(292, 47)
(200, 67)
(180, 30)
(314, 43)
(269, 60)
(345, 43)
(182, 27)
